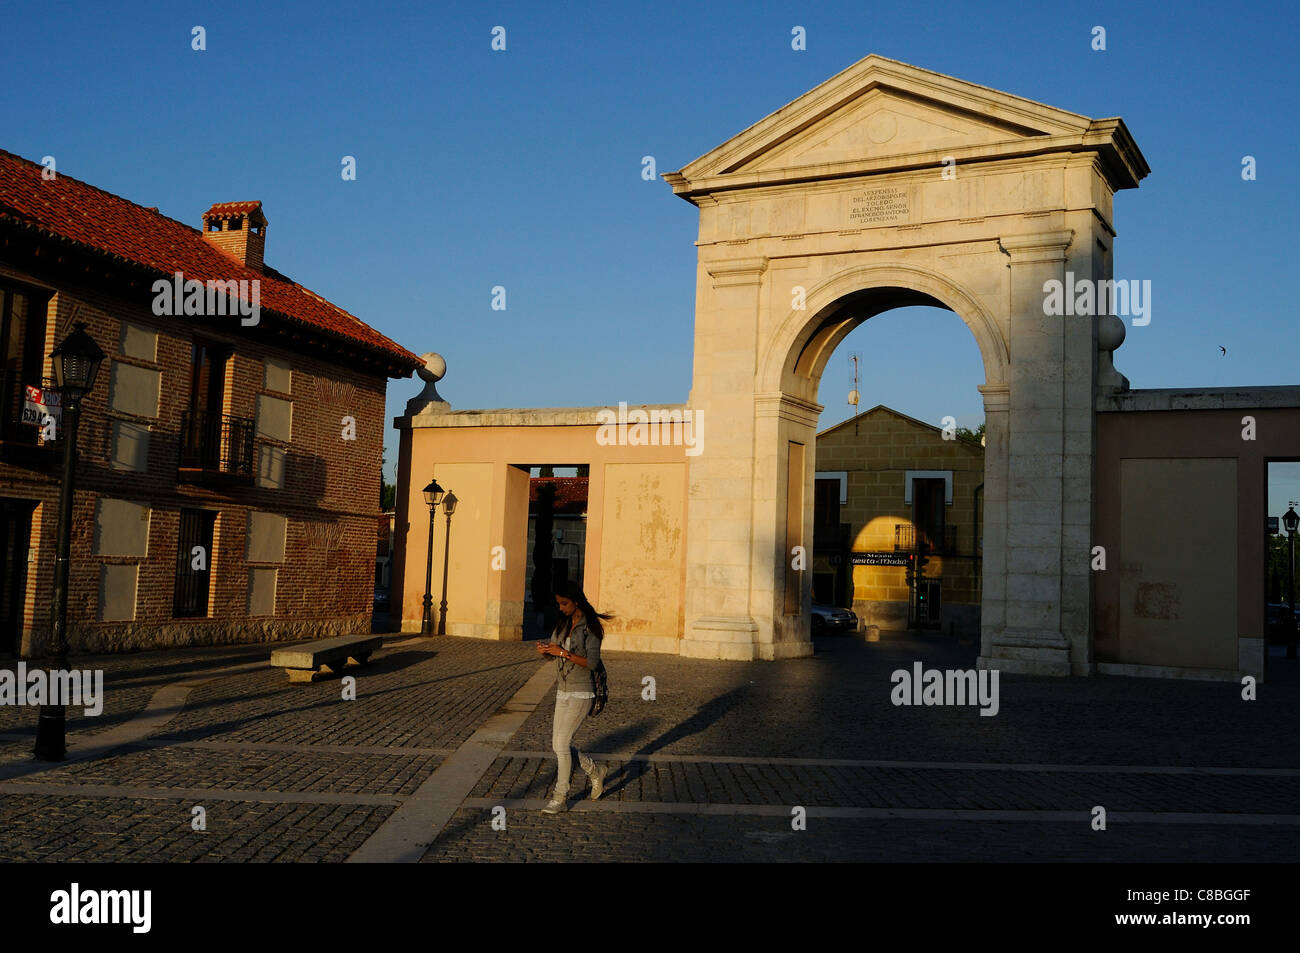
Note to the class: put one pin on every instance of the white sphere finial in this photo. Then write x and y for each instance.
(435, 367)
(434, 370)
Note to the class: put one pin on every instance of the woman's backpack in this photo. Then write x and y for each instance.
(600, 680)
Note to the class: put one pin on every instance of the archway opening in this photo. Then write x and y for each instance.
(897, 496)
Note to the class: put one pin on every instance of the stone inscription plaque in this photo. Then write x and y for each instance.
(879, 206)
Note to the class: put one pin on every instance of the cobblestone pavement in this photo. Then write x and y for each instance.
(593, 836)
(837, 705)
(73, 828)
(284, 772)
(709, 769)
(129, 682)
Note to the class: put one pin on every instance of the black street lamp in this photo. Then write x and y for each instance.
(76, 364)
(448, 507)
(1291, 520)
(432, 496)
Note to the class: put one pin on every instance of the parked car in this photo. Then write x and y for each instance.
(381, 600)
(826, 619)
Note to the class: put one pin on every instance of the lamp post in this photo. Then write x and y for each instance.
(432, 496)
(448, 507)
(76, 363)
(1291, 520)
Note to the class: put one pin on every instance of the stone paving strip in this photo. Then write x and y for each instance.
(938, 765)
(707, 784)
(199, 793)
(588, 836)
(166, 742)
(886, 813)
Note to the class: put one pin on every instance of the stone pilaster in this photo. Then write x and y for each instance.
(993, 611)
(779, 419)
(1032, 639)
(720, 529)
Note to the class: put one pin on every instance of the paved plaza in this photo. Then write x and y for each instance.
(447, 734)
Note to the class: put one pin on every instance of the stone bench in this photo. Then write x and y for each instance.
(306, 663)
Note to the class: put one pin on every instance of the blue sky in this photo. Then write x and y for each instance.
(522, 168)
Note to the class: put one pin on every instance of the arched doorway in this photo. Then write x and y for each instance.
(899, 478)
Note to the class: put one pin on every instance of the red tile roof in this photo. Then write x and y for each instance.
(67, 208)
(570, 492)
(233, 208)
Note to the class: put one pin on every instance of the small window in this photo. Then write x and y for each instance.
(255, 229)
(826, 502)
(193, 564)
(928, 512)
(236, 224)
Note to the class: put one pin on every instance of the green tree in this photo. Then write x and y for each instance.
(1277, 565)
(974, 436)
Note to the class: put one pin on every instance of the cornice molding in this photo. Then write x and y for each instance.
(737, 271)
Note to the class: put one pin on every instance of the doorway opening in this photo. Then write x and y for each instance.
(557, 539)
(899, 472)
(1281, 573)
(15, 543)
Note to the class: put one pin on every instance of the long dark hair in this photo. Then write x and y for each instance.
(572, 591)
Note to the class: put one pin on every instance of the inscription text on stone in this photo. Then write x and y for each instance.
(879, 205)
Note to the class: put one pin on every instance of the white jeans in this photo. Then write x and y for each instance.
(569, 713)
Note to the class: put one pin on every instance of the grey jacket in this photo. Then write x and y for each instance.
(572, 677)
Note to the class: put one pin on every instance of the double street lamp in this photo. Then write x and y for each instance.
(76, 364)
(1290, 521)
(433, 495)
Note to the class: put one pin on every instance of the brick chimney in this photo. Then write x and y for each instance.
(238, 229)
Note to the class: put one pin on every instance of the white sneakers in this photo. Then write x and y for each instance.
(559, 802)
(598, 780)
(555, 805)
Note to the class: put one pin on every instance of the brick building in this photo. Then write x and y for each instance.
(228, 467)
(890, 488)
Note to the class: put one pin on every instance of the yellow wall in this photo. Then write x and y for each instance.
(635, 569)
(471, 528)
(642, 559)
(876, 451)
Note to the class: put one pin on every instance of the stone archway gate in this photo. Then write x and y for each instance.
(885, 186)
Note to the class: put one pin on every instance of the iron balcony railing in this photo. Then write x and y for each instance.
(906, 538)
(216, 444)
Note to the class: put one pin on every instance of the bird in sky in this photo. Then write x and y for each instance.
(1223, 349)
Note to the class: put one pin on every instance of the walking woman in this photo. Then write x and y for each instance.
(576, 644)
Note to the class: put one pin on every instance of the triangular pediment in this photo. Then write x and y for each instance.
(880, 112)
(881, 122)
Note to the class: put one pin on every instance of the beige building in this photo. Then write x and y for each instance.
(891, 490)
(635, 520)
(889, 186)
